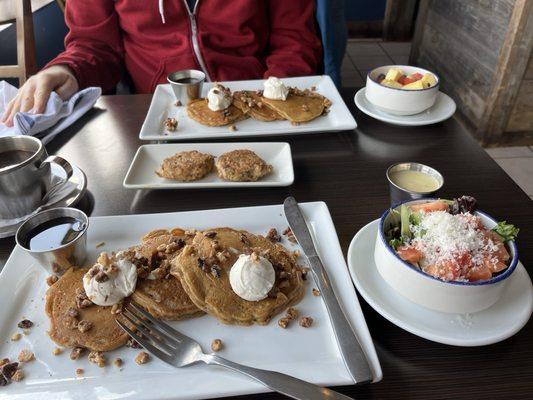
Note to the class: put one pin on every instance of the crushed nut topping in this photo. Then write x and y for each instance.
(142, 358)
(117, 362)
(9, 369)
(284, 322)
(290, 236)
(57, 351)
(210, 234)
(305, 271)
(84, 325)
(82, 301)
(232, 128)
(215, 271)
(292, 313)
(306, 322)
(132, 343)
(98, 358)
(79, 371)
(72, 312)
(316, 292)
(18, 375)
(101, 277)
(76, 353)
(16, 337)
(216, 345)
(273, 235)
(177, 103)
(296, 253)
(117, 308)
(26, 356)
(51, 280)
(171, 124)
(254, 257)
(3, 362)
(244, 239)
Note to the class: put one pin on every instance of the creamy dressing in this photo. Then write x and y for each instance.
(414, 181)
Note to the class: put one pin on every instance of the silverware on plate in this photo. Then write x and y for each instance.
(178, 350)
(350, 348)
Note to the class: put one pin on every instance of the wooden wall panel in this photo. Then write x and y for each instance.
(521, 118)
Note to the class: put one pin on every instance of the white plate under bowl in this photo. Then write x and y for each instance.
(311, 354)
(148, 158)
(443, 109)
(339, 117)
(499, 322)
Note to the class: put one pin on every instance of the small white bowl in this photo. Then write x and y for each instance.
(400, 101)
(433, 293)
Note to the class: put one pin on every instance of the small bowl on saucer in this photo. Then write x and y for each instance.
(399, 101)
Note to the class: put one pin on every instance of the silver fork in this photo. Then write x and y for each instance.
(178, 350)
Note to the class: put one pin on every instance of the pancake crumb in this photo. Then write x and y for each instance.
(117, 362)
(26, 356)
(232, 128)
(76, 353)
(142, 358)
(16, 337)
(132, 343)
(79, 371)
(98, 358)
(284, 322)
(216, 345)
(316, 292)
(306, 322)
(51, 280)
(57, 351)
(18, 375)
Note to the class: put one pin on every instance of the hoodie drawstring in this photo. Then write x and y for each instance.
(162, 10)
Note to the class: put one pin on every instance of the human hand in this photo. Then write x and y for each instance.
(35, 92)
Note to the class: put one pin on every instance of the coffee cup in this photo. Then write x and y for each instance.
(26, 176)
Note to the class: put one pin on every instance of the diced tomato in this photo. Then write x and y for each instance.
(409, 254)
(437, 205)
(480, 273)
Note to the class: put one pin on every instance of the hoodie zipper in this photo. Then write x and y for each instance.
(194, 38)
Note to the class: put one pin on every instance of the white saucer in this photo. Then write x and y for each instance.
(67, 196)
(505, 318)
(443, 109)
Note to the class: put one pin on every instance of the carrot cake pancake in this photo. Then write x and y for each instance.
(242, 166)
(186, 166)
(216, 109)
(250, 103)
(238, 277)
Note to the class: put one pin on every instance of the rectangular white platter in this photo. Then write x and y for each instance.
(311, 354)
(141, 173)
(162, 107)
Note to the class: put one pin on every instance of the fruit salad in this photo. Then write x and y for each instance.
(396, 78)
(447, 240)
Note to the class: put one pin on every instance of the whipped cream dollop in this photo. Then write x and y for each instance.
(218, 98)
(252, 277)
(110, 280)
(275, 89)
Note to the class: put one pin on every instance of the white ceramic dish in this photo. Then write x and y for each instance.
(443, 109)
(494, 324)
(141, 173)
(400, 101)
(311, 354)
(339, 117)
(431, 292)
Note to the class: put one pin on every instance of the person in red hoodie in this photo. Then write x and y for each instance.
(227, 40)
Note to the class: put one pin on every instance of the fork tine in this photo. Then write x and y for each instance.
(147, 345)
(160, 342)
(167, 328)
(151, 326)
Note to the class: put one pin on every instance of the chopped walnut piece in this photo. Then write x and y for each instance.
(51, 280)
(117, 308)
(171, 124)
(57, 351)
(177, 103)
(316, 292)
(305, 271)
(296, 253)
(232, 128)
(244, 239)
(306, 322)
(84, 325)
(16, 337)
(79, 371)
(98, 245)
(284, 322)
(82, 301)
(97, 357)
(101, 277)
(273, 235)
(3, 380)
(292, 313)
(9, 369)
(142, 358)
(26, 356)
(290, 236)
(210, 234)
(117, 362)
(216, 345)
(254, 257)
(4, 361)
(18, 375)
(133, 344)
(72, 312)
(215, 271)
(76, 353)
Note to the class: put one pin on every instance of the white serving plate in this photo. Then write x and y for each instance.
(141, 173)
(494, 324)
(443, 109)
(339, 117)
(311, 354)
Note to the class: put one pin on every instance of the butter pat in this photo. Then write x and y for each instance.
(275, 89)
(218, 98)
(252, 277)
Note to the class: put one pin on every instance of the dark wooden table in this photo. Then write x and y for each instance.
(347, 171)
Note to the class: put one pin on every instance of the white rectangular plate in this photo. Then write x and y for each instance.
(162, 107)
(311, 354)
(141, 174)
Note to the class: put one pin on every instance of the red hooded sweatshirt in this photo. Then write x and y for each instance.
(227, 39)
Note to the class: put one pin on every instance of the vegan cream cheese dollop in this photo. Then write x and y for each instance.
(110, 280)
(218, 98)
(275, 89)
(252, 277)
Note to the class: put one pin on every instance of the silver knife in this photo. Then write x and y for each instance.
(349, 345)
